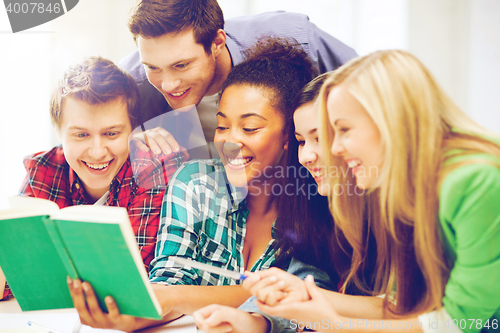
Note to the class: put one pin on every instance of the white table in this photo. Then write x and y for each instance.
(12, 319)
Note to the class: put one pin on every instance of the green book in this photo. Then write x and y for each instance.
(40, 245)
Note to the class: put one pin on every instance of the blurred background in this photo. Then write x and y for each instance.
(458, 40)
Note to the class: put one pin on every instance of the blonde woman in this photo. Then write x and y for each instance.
(433, 191)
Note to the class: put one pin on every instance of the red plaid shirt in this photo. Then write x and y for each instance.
(139, 186)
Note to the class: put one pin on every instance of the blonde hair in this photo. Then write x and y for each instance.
(420, 128)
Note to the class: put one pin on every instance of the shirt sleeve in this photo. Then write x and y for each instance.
(301, 270)
(177, 234)
(326, 51)
(470, 216)
(7, 293)
(26, 190)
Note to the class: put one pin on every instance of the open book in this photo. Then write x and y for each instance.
(40, 245)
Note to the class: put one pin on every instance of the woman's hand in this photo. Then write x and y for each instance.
(317, 309)
(275, 286)
(219, 318)
(90, 311)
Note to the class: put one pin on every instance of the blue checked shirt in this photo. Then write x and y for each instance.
(203, 218)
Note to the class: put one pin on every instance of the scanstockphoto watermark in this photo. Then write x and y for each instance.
(436, 325)
(24, 14)
(267, 180)
(297, 189)
(291, 171)
(353, 324)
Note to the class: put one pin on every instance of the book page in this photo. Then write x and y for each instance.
(17, 201)
(92, 213)
(27, 206)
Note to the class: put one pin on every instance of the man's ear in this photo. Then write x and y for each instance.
(219, 43)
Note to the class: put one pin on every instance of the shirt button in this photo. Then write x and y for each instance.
(77, 186)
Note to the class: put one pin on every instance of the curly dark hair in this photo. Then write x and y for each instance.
(279, 65)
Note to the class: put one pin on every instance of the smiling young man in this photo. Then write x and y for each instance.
(186, 50)
(93, 108)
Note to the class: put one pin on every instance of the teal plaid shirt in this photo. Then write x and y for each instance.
(203, 218)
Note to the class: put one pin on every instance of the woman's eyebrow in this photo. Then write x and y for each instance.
(246, 115)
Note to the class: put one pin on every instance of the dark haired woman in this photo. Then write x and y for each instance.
(305, 230)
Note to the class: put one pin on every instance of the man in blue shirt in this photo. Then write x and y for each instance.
(185, 51)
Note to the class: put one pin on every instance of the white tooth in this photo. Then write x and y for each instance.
(98, 166)
(238, 161)
(353, 164)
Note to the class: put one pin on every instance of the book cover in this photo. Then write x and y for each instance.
(41, 245)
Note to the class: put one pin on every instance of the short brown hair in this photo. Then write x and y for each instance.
(95, 81)
(155, 18)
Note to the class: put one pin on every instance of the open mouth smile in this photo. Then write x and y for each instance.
(353, 163)
(99, 166)
(179, 94)
(238, 162)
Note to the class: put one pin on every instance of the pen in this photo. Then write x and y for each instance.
(208, 268)
(39, 328)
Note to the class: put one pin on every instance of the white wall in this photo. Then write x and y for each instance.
(29, 63)
(483, 67)
(459, 40)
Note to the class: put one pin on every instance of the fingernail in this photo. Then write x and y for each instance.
(85, 287)
(76, 284)
(176, 149)
(273, 278)
(156, 152)
(108, 300)
(69, 281)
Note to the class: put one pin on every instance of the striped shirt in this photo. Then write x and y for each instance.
(203, 218)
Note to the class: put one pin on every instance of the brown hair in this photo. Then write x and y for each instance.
(95, 80)
(155, 18)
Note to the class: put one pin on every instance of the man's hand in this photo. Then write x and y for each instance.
(219, 318)
(156, 139)
(273, 286)
(3, 281)
(90, 312)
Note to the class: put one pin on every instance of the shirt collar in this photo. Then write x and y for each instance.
(235, 195)
(234, 51)
(76, 185)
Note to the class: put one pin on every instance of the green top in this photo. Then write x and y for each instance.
(469, 214)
